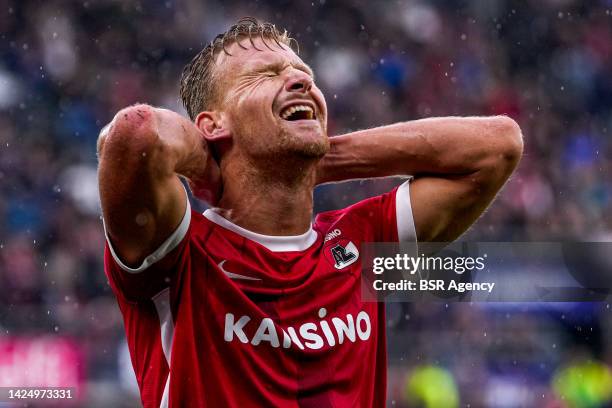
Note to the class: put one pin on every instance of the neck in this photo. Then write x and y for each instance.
(269, 200)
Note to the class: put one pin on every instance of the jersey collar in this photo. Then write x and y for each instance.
(274, 243)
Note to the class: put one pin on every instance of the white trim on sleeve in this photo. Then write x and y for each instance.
(406, 230)
(164, 312)
(163, 250)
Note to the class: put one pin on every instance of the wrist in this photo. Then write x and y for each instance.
(205, 179)
(325, 167)
(344, 160)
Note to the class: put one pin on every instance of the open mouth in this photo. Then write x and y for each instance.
(298, 112)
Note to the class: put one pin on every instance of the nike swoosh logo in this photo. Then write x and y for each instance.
(232, 275)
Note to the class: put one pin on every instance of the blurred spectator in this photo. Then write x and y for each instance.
(66, 67)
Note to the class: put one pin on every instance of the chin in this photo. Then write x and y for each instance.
(314, 151)
(308, 145)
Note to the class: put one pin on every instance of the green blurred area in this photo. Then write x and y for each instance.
(586, 384)
(432, 387)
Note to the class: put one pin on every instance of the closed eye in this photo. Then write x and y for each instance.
(274, 69)
(266, 72)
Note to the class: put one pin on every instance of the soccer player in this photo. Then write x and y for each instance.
(254, 303)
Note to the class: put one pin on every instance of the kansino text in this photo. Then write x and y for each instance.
(411, 264)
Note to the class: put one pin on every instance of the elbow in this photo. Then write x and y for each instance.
(133, 127)
(504, 154)
(506, 147)
(131, 137)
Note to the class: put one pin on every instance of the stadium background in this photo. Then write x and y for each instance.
(67, 66)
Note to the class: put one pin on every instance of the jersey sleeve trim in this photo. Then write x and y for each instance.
(164, 312)
(406, 231)
(166, 247)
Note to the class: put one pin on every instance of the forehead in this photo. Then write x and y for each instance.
(256, 54)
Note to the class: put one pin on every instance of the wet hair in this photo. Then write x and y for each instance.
(198, 85)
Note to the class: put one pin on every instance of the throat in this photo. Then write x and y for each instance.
(267, 206)
(269, 214)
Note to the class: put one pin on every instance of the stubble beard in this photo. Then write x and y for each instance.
(286, 145)
(291, 145)
(290, 160)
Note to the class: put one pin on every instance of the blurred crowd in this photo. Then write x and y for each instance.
(67, 66)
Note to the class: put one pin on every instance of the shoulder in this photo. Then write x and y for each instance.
(367, 209)
(386, 217)
(358, 220)
(201, 226)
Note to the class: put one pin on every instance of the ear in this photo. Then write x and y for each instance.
(213, 125)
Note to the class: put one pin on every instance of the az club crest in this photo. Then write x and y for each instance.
(341, 254)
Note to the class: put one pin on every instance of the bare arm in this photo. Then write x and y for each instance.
(141, 153)
(459, 165)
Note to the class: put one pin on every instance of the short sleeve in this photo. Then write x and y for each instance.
(156, 272)
(388, 216)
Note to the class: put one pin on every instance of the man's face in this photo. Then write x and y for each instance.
(273, 107)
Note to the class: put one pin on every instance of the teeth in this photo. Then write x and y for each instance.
(291, 110)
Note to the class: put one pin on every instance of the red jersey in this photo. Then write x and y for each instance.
(222, 316)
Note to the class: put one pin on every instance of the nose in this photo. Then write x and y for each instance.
(298, 81)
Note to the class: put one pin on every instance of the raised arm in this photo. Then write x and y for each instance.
(459, 165)
(141, 154)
